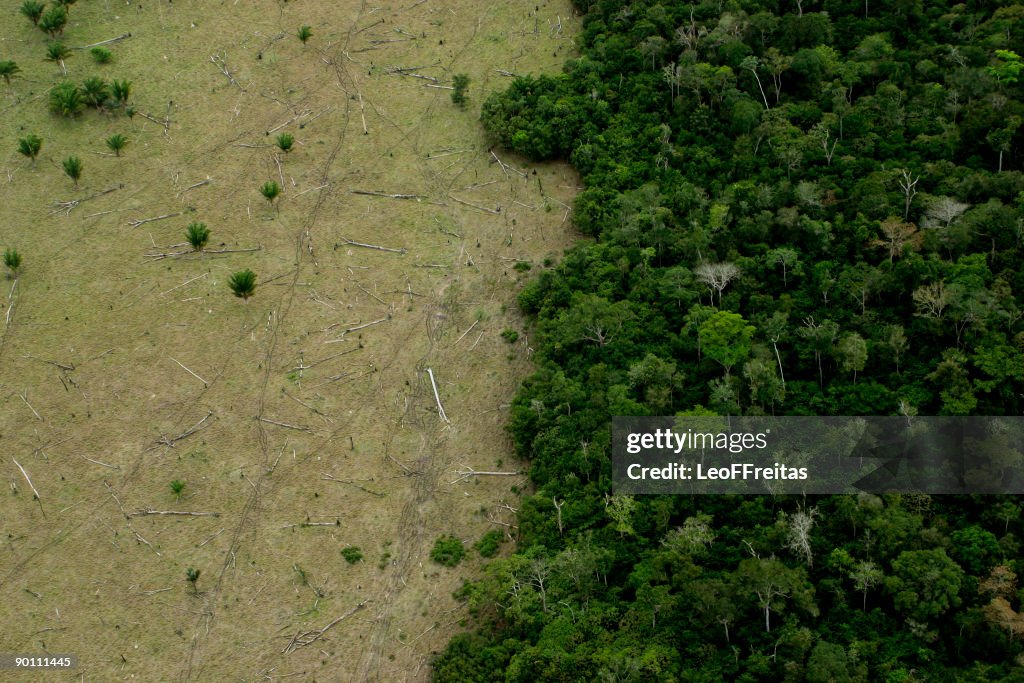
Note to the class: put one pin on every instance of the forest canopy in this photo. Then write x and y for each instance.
(809, 208)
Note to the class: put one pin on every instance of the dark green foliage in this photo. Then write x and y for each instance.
(803, 209)
(305, 33)
(243, 283)
(8, 68)
(270, 190)
(53, 21)
(352, 554)
(285, 141)
(12, 259)
(66, 4)
(448, 551)
(489, 544)
(192, 576)
(57, 52)
(95, 91)
(177, 488)
(30, 146)
(32, 10)
(116, 143)
(197, 234)
(101, 55)
(121, 90)
(510, 335)
(73, 168)
(66, 99)
(460, 83)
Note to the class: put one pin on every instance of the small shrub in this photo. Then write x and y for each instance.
(95, 91)
(192, 575)
(12, 259)
(32, 10)
(352, 554)
(8, 69)
(120, 90)
(270, 190)
(53, 21)
(29, 146)
(73, 169)
(66, 99)
(101, 55)
(305, 33)
(522, 266)
(197, 235)
(243, 284)
(488, 545)
(116, 143)
(448, 551)
(510, 336)
(461, 84)
(177, 487)
(285, 142)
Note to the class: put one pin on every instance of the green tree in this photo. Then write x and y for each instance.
(66, 99)
(243, 284)
(726, 338)
(53, 21)
(197, 235)
(925, 584)
(116, 143)
(12, 259)
(305, 33)
(828, 663)
(270, 191)
(866, 575)
(460, 84)
(8, 68)
(32, 10)
(95, 91)
(448, 551)
(285, 141)
(57, 52)
(772, 583)
(852, 352)
(73, 168)
(192, 575)
(30, 146)
(120, 91)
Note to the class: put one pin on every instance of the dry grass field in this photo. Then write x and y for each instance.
(303, 421)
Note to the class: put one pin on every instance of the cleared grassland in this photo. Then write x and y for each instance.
(303, 421)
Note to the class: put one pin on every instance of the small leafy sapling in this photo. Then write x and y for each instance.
(270, 190)
(197, 235)
(285, 141)
(8, 68)
(29, 146)
(305, 33)
(12, 259)
(116, 143)
(73, 169)
(177, 488)
(243, 284)
(101, 55)
(192, 575)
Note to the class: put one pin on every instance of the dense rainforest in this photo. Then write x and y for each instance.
(804, 208)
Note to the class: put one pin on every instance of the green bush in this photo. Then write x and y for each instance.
(66, 99)
(510, 336)
(243, 283)
(448, 551)
(352, 554)
(101, 55)
(29, 146)
(488, 545)
(8, 69)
